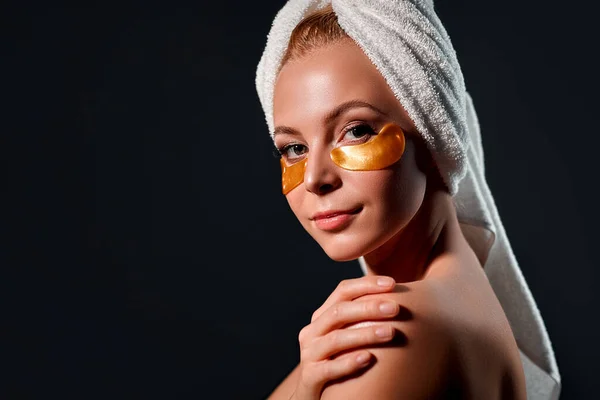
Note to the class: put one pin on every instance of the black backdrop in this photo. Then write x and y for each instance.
(150, 253)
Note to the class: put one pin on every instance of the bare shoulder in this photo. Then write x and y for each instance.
(417, 364)
(441, 350)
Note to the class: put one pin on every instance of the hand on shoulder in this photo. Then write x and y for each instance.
(415, 364)
(438, 352)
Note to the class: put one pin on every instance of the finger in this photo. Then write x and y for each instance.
(329, 370)
(342, 340)
(350, 289)
(347, 312)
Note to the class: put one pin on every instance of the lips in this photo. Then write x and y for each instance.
(334, 219)
(334, 213)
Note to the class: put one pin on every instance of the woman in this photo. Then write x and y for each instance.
(367, 108)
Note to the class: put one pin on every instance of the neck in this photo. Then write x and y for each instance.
(432, 232)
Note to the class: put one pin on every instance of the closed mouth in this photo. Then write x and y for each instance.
(334, 213)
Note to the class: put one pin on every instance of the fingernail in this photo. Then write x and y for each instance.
(385, 281)
(363, 358)
(383, 332)
(387, 308)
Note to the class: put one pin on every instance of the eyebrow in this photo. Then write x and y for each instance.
(333, 115)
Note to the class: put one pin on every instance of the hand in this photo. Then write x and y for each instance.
(322, 341)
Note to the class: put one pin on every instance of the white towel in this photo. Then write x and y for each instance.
(408, 44)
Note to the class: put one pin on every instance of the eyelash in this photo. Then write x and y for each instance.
(280, 152)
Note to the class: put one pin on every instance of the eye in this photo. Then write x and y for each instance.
(293, 152)
(358, 132)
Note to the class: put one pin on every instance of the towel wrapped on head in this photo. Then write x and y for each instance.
(410, 47)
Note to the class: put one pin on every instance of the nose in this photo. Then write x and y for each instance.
(321, 175)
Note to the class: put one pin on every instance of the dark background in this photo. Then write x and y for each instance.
(149, 251)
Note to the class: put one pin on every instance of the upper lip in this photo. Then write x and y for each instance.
(333, 213)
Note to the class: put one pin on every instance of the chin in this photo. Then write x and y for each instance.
(342, 255)
(344, 249)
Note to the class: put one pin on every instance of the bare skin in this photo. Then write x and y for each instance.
(450, 338)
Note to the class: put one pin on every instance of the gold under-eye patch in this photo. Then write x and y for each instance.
(383, 150)
(292, 175)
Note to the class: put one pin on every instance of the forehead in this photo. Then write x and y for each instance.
(307, 88)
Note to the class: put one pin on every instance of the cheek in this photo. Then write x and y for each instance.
(397, 194)
(408, 193)
(295, 200)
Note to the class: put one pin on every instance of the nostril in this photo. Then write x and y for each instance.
(326, 188)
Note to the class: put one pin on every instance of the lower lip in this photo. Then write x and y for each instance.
(333, 223)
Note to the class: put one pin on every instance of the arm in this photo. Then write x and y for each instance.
(286, 388)
(399, 373)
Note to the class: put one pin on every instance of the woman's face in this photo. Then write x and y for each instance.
(333, 97)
